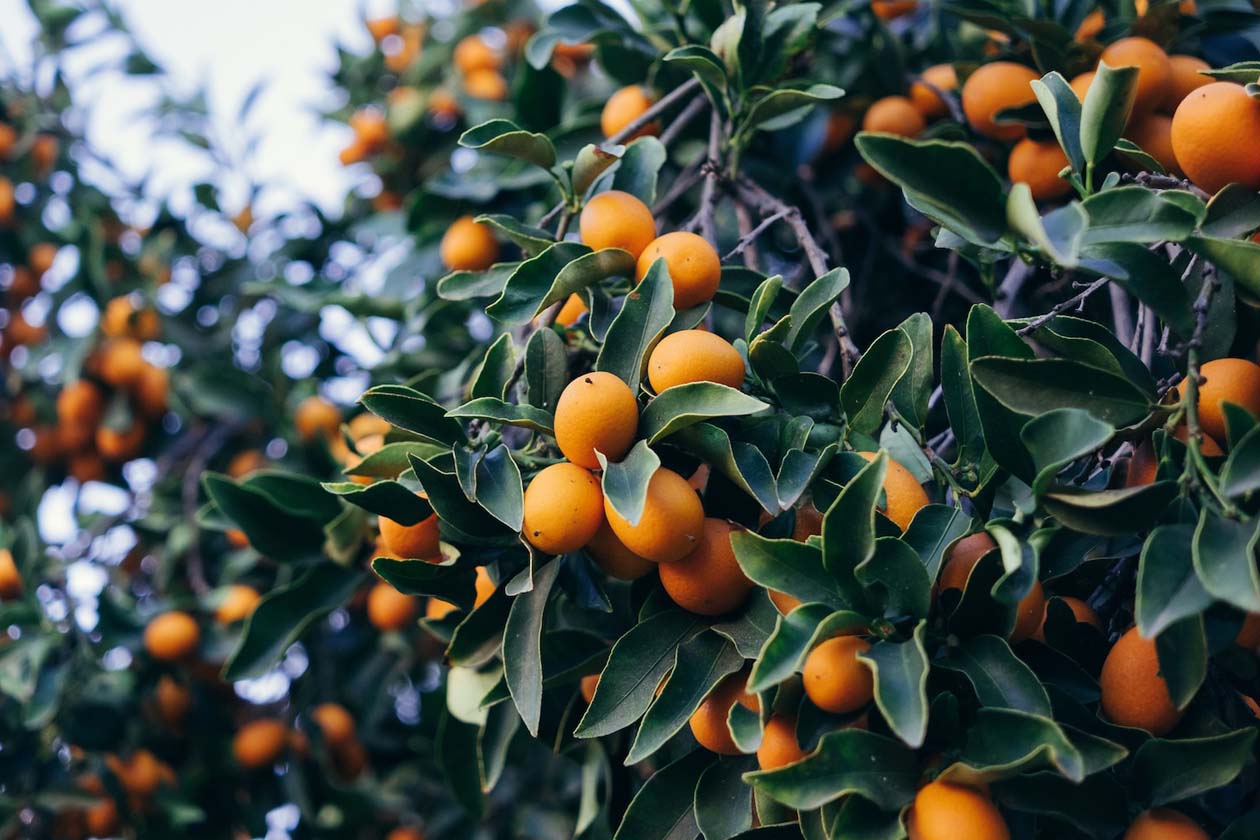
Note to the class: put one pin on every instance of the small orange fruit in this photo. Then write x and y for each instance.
(672, 523)
(1029, 613)
(152, 389)
(694, 266)
(1154, 71)
(260, 743)
(437, 609)
(1165, 824)
(993, 88)
(624, 107)
(1187, 77)
(41, 257)
(894, 115)
(422, 541)
(587, 687)
(1133, 692)
(596, 412)
(835, 679)
(694, 356)
(472, 53)
(1213, 136)
(172, 699)
(1080, 84)
(1038, 163)
(893, 9)
(564, 508)
(572, 310)
(1249, 635)
(484, 586)
(1153, 134)
(115, 445)
(468, 246)
(783, 602)
(942, 77)
(613, 557)
(388, 609)
(779, 746)
(616, 219)
(486, 84)
(904, 496)
(943, 811)
(238, 604)
(316, 416)
(406, 832)
(10, 577)
(101, 818)
(708, 722)
(381, 28)
(335, 722)
(172, 636)
(370, 131)
(1091, 25)
(708, 581)
(1083, 612)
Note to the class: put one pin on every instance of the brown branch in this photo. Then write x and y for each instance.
(708, 196)
(750, 236)
(660, 106)
(1059, 308)
(685, 116)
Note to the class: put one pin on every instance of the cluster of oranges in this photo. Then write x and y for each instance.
(115, 376)
(37, 151)
(25, 281)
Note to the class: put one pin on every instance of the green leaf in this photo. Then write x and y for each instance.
(1039, 385)
(1135, 214)
(1240, 258)
(522, 645)
(504, 137)
(414, 412)
(901, 672)
(468, 285)
(847, 761)
(271, 529)
(989, 335)
(636, 664)
(553, 275)
(896, 583)
(699, 665)
(702, 62)
(1241, 473)
(1232, 213)
(1183, 658)
(419, 577)
(492, 375)
(391, 460)
(499, 487)
(1060, 436)
(1063, 110)
(501, 411)
(1005, 741)
(913, 391)
(759, 305)
(741, 462)
(1106, 110)
(1167, 588)
(949, 182)
(686, 405)
(283, 615)
(1096, 806)
(960, 401)
(532, 240)
(1224, 560)
(786, 566)
(1058, 234)
(590, 162)
(546, 369)
(452, 504)
(639, 168)
(1147, 276)
(1170, 771)
(782, 101)
(865, 393)
(810, 307)
(794, 636)
(663, 809)
(648, 310)
(933, 530)
(848, 532)
(455, 752)
(723, 801)
(999, 677)
(625, 483)
(384, 498)
(1110, 513)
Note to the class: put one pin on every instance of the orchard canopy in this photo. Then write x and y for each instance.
(710, 418)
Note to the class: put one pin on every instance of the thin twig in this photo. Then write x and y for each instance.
(1008, 291)
(746, 242)
(661, 105)
(686, 179)
(1120, 315)
(1064, 306)
(685, 116)
(708, 196)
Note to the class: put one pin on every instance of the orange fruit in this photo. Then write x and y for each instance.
(172, 636)
(8, 202)
(113, 445)
(44, 152)
(835, 680)
(41, 257)
(694, 356)
(468, 246)
(335, 722)
(1165, 824)
(1080, 84)
(779, 746)
(962, 558)
(783, 602)
(572, 310)
(1083, 612)
(894, 115)
(928, 102)
(1249, 635)
(1038, 163)
(10, 577)
(141, 774)
(8, 139)
(472, 53)
(587, 687)
(1143, 466)
(708, 581)
(422, 541)
(672, 523)
(624, 107)
(1227, 380)
(1186, 79)
(80, 405)
(260, 743)
(437, 609)
(405, 832)
(101, 818)
(613, 557)
(316, 416)
(443, 105)
(840, 127)
(1133, 692)
(1153, 133)
(596, 412)
(694, 266)
(1091, 25)
(486, 84)
(708, 721)
(943, 811)
(237, 604)
(1213, 134)
(173, 700)
(564, 508)
(1029, 613)
(382, 27)
(904, 495)
(151, 390)
(370, 131)
(993, 88)
(1154, 71)
(892, 9)
(616, 219)
(122, 319)
(484, 586)
(388, 609)
(245, 462)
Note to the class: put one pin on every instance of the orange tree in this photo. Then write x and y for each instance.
(781, 420)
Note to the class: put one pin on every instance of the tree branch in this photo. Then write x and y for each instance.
(660, 106)
(1064, 306)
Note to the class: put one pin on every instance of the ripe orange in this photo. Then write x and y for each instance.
(151, 390)
(1038, 163)
(172, 699)
(468, 246)
(1165, 824)
(928, 102)
(406, 832)
(114, 445)
(962, 558)
(8, 139)
(1133, 692)
(1154, 70)
(1029, 613)
(624, 107)
(574, 308)
(41, 257)
(894, 115)
(1249, 635)
(473, 53)
(779, 746)
(904, 495)
(1227, 380)
(317, 416)
(708, 581)
(943, 811)
(840, 127)
(995, 87)
(1083, 612)
(893, 9)
(437, 609)
(484, 586)
(44, 152)
(443, 105)
(694, 356)
(596, 412)
(10, 577)
(613, 557)
(708, 722)
(564, 509)
(1186, 79)
(1213, 134)
(245, 462)
(8, 202)
(1153, 133)
(1143, 466)
(587, 687)
(672, 523)
(260, 743)
(694, 267)
(486, 84)
(783, 602)
(335, 722)
(101, 818)
(422, 541)
(835, 680)
(237, 604)
(80, 405)
(616, 219)
(370, 131)
(1091, 25)
(141, 774)
(122, 318)
(388, 609)
(381, 28)
(172, 636)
